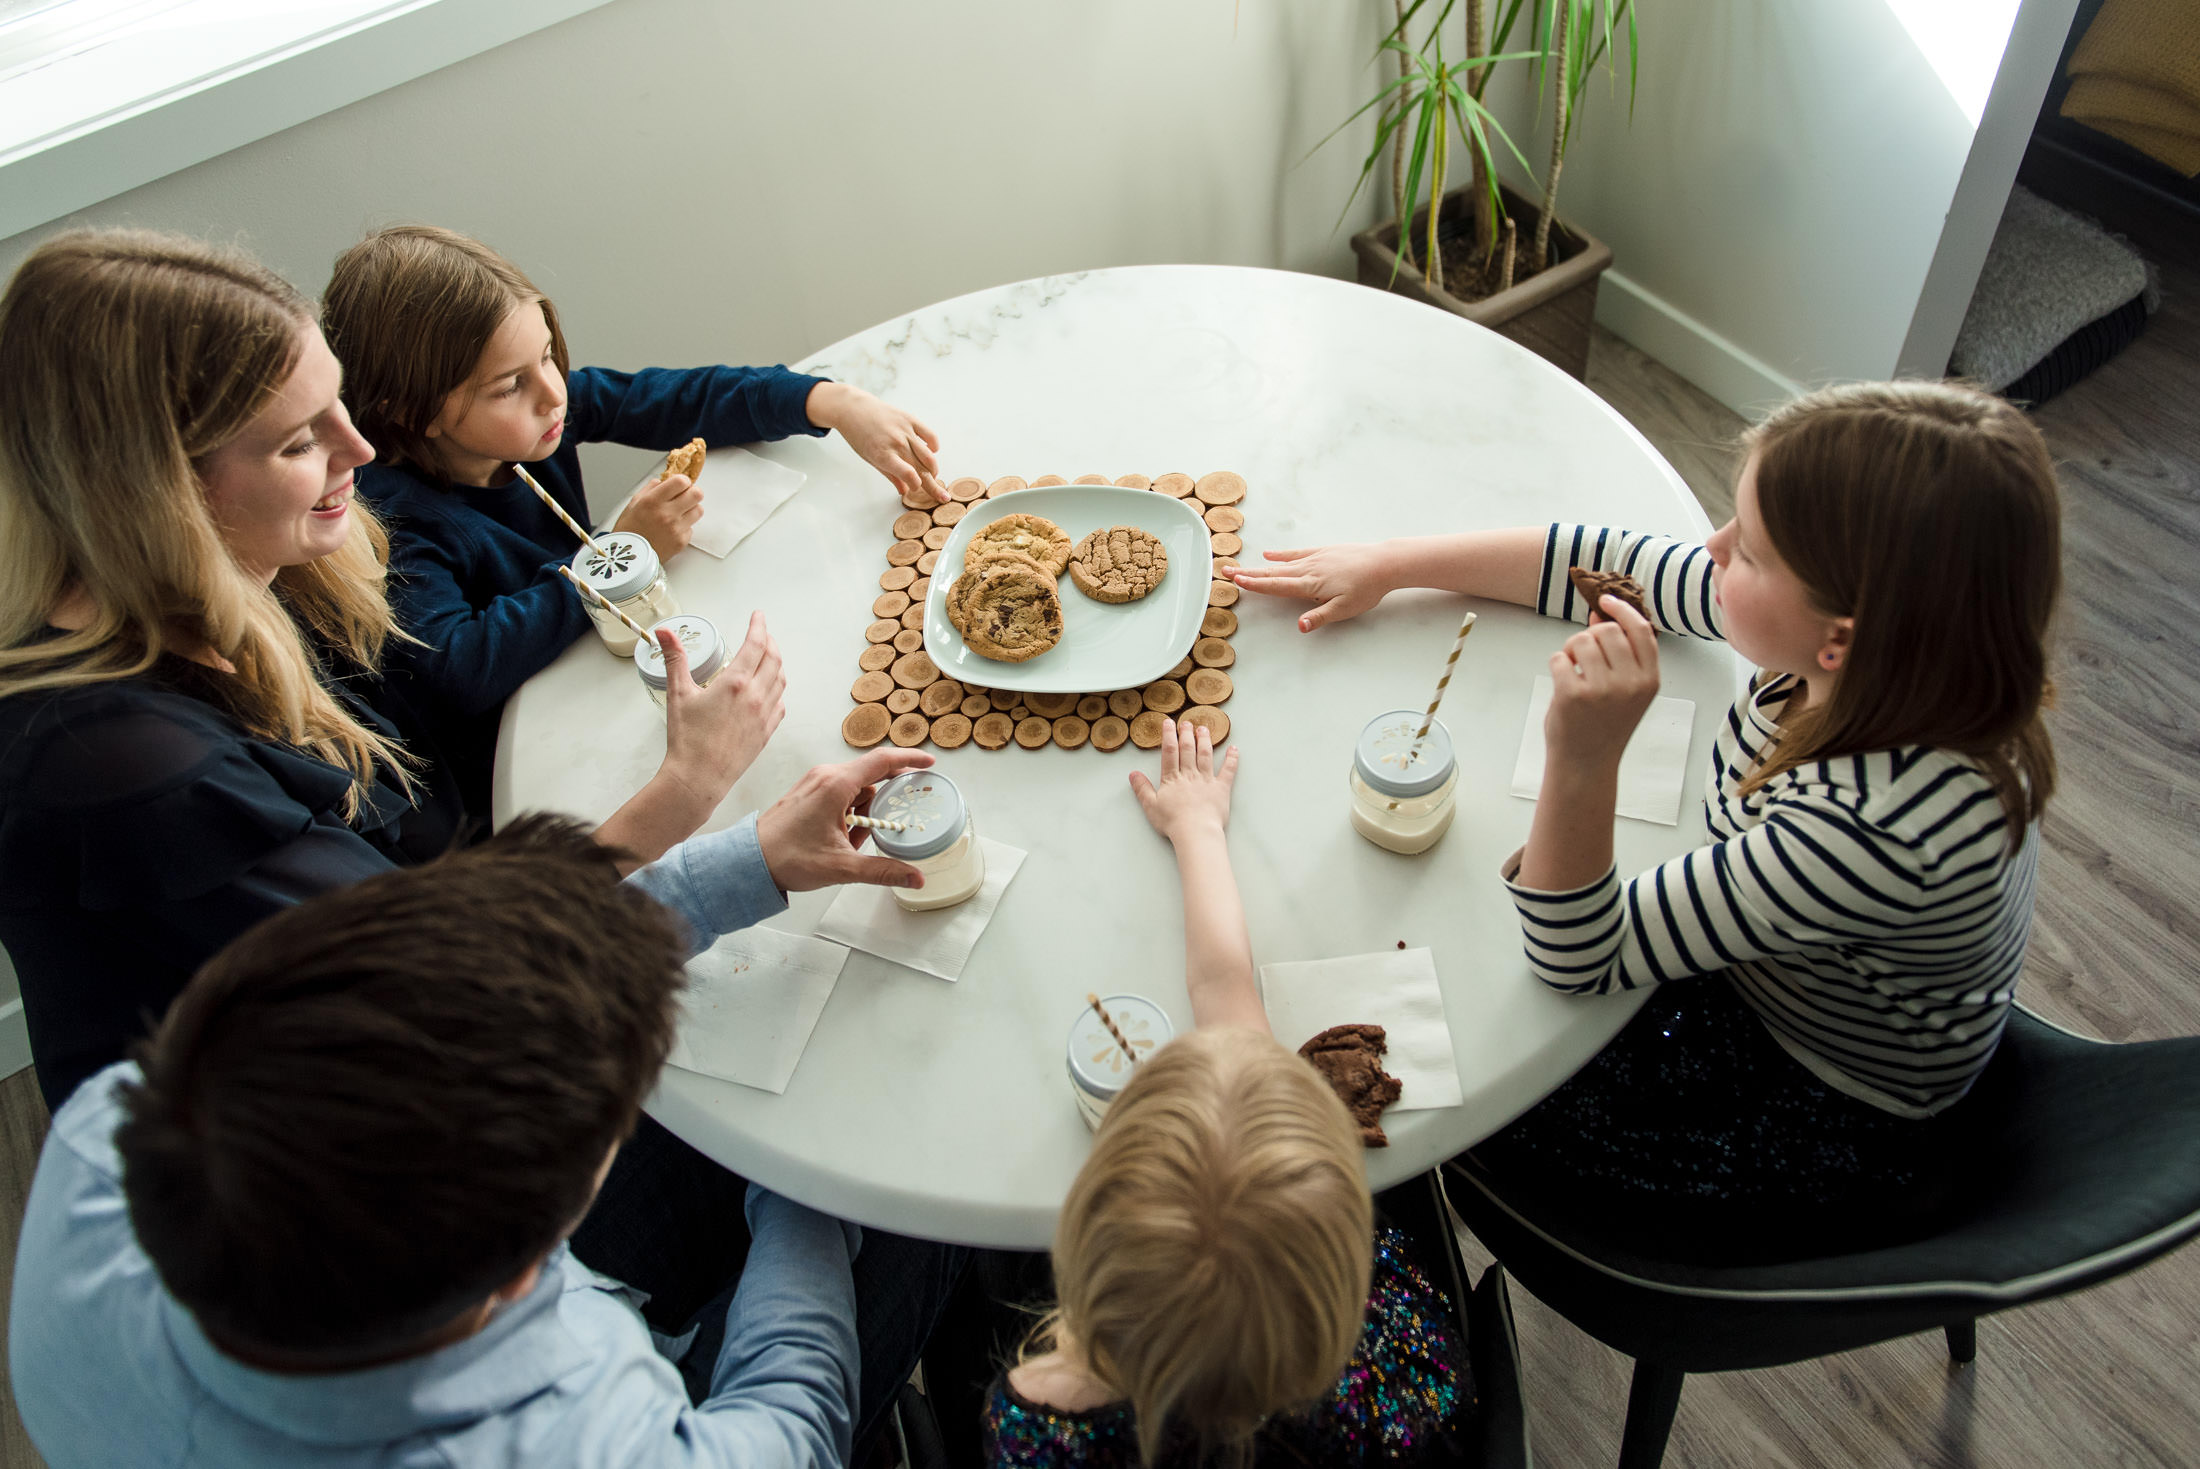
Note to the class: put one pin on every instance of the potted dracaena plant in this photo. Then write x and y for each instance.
(1482, 250)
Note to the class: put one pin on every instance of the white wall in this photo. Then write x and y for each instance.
(1777, 205)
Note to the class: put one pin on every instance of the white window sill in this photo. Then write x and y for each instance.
(205, 78)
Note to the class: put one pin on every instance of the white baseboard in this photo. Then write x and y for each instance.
(1727, 372)
(15, 1039)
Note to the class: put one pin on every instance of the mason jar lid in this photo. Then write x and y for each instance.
(930, 803)
(1096, 1063)
(706, 650)
(625, 569)
(1390, 762)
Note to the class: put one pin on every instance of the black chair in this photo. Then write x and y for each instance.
(2096, 1172)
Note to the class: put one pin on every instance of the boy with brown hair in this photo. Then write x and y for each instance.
(322, 1219)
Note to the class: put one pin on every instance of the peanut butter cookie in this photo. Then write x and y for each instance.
(1028, 535)
(687, 460)
(1119, 564)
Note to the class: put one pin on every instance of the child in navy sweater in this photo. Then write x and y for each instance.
(455, 369)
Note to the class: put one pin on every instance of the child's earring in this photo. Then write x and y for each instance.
(1830, 658)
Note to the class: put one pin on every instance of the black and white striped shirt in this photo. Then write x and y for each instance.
(1867, 907)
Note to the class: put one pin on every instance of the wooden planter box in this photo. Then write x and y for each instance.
(1548, 313)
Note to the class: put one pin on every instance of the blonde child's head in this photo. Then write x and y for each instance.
(410, 312)
(1212, 1259)
(1927, 512)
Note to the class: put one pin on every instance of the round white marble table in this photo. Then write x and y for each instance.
(942, 1110)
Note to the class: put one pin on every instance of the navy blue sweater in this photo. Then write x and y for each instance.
(474, 570)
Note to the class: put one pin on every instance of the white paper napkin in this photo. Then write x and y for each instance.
(751, 1002)
(938, 942)
(740, 491)
(1650, 772)
(1396, 990)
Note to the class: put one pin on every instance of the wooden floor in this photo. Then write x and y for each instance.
(2110, 1377)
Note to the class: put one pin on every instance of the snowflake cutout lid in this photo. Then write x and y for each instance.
(625, 569)
(1096, 1063)
(930, 805)
(1389, 761)
(706, 650)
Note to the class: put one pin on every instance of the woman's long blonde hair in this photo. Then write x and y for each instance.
(1928, 512)
(126, 358)
(1212, 1259)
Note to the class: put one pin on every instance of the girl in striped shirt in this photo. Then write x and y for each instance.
(1854, 932)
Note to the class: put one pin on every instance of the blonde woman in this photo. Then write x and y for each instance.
(181, 563)
(1224, 1293)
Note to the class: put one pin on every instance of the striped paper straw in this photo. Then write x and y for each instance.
(1109, 1021)
(875, 824)
(559, 510)
(604, 602)
(1443, 683)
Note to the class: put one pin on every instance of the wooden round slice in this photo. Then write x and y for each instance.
(909, 730)
(993, 731)
(1164, 696)
(918, 588)
(905, 553)
(871, 688)
(1208, 686)
(1007, 484)
(897, 577)
(916, 671)
(1219, 622)
(1213, 653)
(908, 640)
(1214, 721)
(1004, 698)
(950, 513)
(937, 536)
(1224, 518)
(913, 616)
(1032, 732)
(1221, 593)
(1175, 484)
(890, 604)
(1090, 479)
(1109, 733)
(1051, 706)
(1223, 487)
(881, 631)
(865, 725)
(951, 731)
(1222, 543)
(1045, 480)
(1134, 482)
(1019, 711)
(1125, 703)
(926, 562)
(1091, 707)
(876, 656)
(919, 498)
(1182, 666)
(911, 524)
(946, 695)
(975, 704)
(1145, 729)
(968, 488)
(1219, 568)
(903, 701)
(1069, 730)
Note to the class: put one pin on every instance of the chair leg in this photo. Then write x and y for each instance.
(1652, 1399)
(1962, 1342)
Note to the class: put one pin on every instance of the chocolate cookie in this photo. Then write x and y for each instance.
(1119, 564)
(1596, 585)
(1350, 1058)
(1029, 535)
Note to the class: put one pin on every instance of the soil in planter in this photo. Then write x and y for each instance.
(1468, 277)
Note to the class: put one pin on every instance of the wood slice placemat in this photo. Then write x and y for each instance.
(901, 695)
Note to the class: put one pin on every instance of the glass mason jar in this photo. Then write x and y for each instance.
(629, 576)
(706, 652)
(1098, 1069)
(1404, 792)
(941, 841)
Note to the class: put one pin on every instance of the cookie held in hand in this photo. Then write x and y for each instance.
(1596, 585)
(687, 460)
(1350, 1059)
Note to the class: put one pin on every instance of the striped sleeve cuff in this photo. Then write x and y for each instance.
(1572, 938)
(1675, 574)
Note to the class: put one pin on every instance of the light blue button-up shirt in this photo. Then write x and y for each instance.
(110, 1371)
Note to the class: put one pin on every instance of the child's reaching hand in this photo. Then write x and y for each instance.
(664, 514)
(1193, 795)
(890, 440)
(1342, 580)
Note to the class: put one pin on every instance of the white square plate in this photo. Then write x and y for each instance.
(1104, 646)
